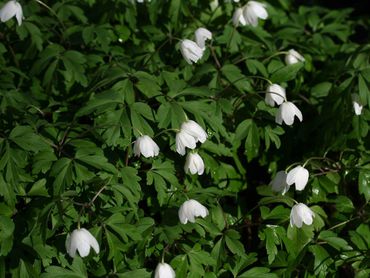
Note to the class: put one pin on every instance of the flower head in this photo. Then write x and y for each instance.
(191, 51)
(275, 94)
(81, 240)
(298, 175)
(238, 17)
(252, 11)
(293, 57)
(194, 163)
(357, 106)
(300, 214)
(287, 111)
(146, 146)
(201, 35)
(184, 140)
(279, 183)
(10, 9)
(164, 270)
(194, 129)
(191, 209)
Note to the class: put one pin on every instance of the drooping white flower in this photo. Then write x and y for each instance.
(287, 111)
(238, 17)
(184, 140)
(279, 183)
(252, 11)
(191, 51)
(10, 9)
(300, 214)
(293, 57)
(356, 102)
(194, 163)
(191, 209)
(164, 270)
(81, 240)
(275, 94)
(194, 129)
(214, 4)
(146, 146)
(298, 175)
(201, 35)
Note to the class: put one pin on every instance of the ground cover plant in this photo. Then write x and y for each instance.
(184, 139)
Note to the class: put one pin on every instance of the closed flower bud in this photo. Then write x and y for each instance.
(279, 183)
(194, 164)
(191, 51)
(81, 240)
(146, 146)
(10, 9)
(357, 106)
(300, 214)
(293, 57)
(191, 209)
(164, 270)
(287, 111)
(201, 35)
(194, 129)
(298, 175)
(275, 94)
(252, 11)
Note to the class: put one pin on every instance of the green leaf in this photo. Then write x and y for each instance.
(286, 73)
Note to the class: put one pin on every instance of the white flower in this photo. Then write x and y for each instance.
(254, 10)
(287, 111)
(214, 4)
(164, 270)
(301, 214)
(298, 175)
(293, 57)
(81, 240)
(194, 163)
(194, 129)
(275, 94)
(184, 140)
(239, 18)
(191, 209)
(191, 51)
(146, 146)
(10, 9)
(201, 35)
(279, 183)
(357, 106)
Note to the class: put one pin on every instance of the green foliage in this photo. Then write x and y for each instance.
(82, 80)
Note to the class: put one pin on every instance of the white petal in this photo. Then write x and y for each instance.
(8, 11)
(292, 174)
(164, 270)
(201, 35)
(258, 9)
(279, 183)
(184, 140)
(194, 129)
(190, 51)
(19, 14)
(279, 116)
(275, 93)
(301, 178)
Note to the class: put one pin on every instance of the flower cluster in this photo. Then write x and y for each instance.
(193, 51)
(282, 182)
(276, 94)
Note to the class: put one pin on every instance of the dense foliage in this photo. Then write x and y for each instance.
(81, 80)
